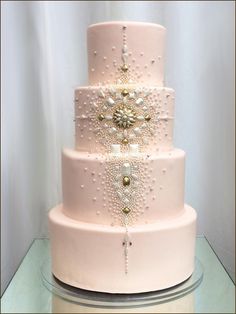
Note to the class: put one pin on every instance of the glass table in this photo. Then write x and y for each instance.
(34, 290)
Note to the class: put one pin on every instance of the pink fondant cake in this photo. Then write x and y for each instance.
(123, 226)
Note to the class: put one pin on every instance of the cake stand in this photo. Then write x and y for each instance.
(107, 300)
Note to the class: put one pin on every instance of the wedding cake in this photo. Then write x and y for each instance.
(123, 226)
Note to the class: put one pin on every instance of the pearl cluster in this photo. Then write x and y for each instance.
(126, 116)
(126, 178)
(152, 111)
(127, 70)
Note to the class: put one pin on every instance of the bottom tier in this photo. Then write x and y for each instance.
(96, 257)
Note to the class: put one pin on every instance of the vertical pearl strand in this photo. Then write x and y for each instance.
(127, 243)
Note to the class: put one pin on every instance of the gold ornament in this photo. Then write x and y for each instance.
(101, 117)
(126, 210)
(126, 181)
(124, 117)
(124, 68)
(124, 92)
(125, 141)
(147, 118)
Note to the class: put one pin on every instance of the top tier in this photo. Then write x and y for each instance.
(126, 52)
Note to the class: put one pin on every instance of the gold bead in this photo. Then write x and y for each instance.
(101, 117)
(125, 141)
(124, 68)
(126, 210)
(124, 92)
(147, 118)
(126, 181)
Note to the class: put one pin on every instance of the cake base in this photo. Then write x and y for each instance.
(92, 256)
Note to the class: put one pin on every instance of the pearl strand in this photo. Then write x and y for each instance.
(126, 244)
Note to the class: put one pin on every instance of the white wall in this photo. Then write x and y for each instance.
(44, 58)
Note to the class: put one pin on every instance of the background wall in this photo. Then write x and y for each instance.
(44, 58)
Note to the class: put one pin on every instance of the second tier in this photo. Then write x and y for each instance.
(106, 189)
(124, 114)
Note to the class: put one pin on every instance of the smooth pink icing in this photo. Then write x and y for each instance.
(83, 174)
(89, 243)
(90, 256)
(161, 98)
(145, 42)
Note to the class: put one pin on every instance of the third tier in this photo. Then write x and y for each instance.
(103, 189)
(124, 114)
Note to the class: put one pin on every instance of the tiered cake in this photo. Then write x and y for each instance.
(123, 226)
